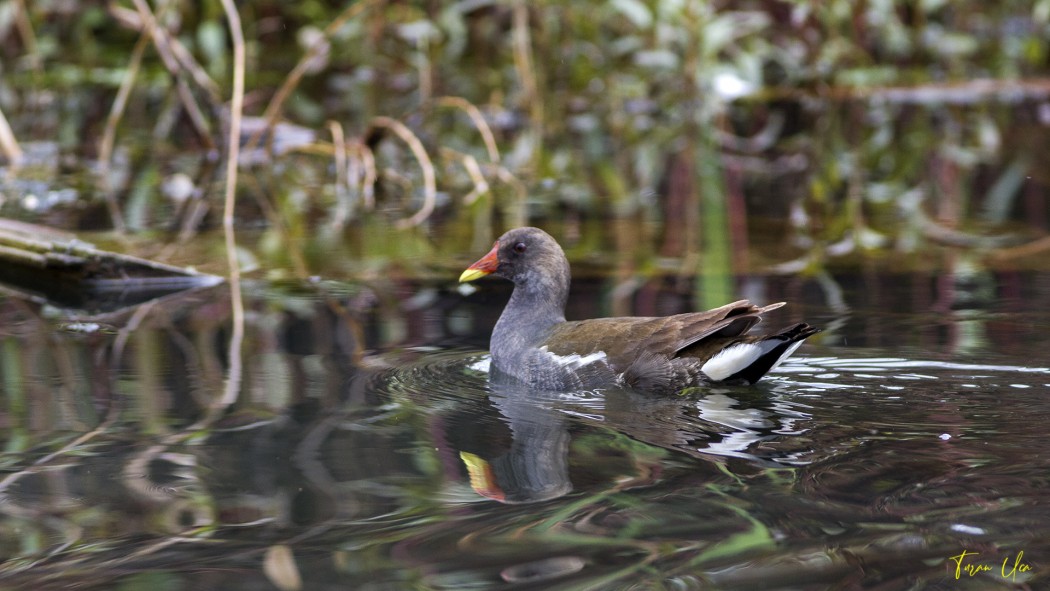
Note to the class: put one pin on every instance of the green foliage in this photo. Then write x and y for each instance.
(587, 101)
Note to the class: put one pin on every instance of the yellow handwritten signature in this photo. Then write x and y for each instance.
(966, 564)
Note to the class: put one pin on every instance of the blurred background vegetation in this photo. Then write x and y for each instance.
(722, 136)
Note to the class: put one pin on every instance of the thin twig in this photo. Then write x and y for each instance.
(429, 178)
(273, 110)
(357, 155)
(134, 21)
(194, 112)
(481, 186)
(191, 65)
(470, 164)
(162, 43)
(25, 30)
(160, 40)
(109, 134)
(233, 378)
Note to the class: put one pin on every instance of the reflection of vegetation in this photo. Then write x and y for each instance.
(869, 127)
(330, 468)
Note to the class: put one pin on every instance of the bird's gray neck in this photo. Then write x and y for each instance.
(535, 307)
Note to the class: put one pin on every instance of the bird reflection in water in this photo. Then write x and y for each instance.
(542, 464)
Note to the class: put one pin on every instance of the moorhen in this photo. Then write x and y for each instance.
(532, 342)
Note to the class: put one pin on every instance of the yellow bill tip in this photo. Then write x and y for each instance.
(471, 275)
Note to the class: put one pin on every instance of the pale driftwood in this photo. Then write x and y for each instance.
(73, 260)
(55, 268)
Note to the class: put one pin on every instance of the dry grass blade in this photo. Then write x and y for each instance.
(342, 184)
(25, 31)
(481, 186)
(233, 379)
(429, 178)
(522, 46)
(116, 111)
(470, 164)
(477, 119)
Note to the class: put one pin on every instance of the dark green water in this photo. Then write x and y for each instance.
(893, 442)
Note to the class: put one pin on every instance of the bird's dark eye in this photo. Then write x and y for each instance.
(520, 247)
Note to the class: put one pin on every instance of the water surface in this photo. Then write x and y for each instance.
(348, 462)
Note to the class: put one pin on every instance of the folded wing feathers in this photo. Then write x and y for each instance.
(736, 319)
(644, 348)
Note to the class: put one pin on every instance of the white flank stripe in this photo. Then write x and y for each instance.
(575, 360)
(730, 360)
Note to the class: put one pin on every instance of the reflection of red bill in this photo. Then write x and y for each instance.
(482, 479)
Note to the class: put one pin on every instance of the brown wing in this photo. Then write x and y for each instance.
(624, 340)
(731, 320)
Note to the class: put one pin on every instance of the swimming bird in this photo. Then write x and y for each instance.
(533, 344)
